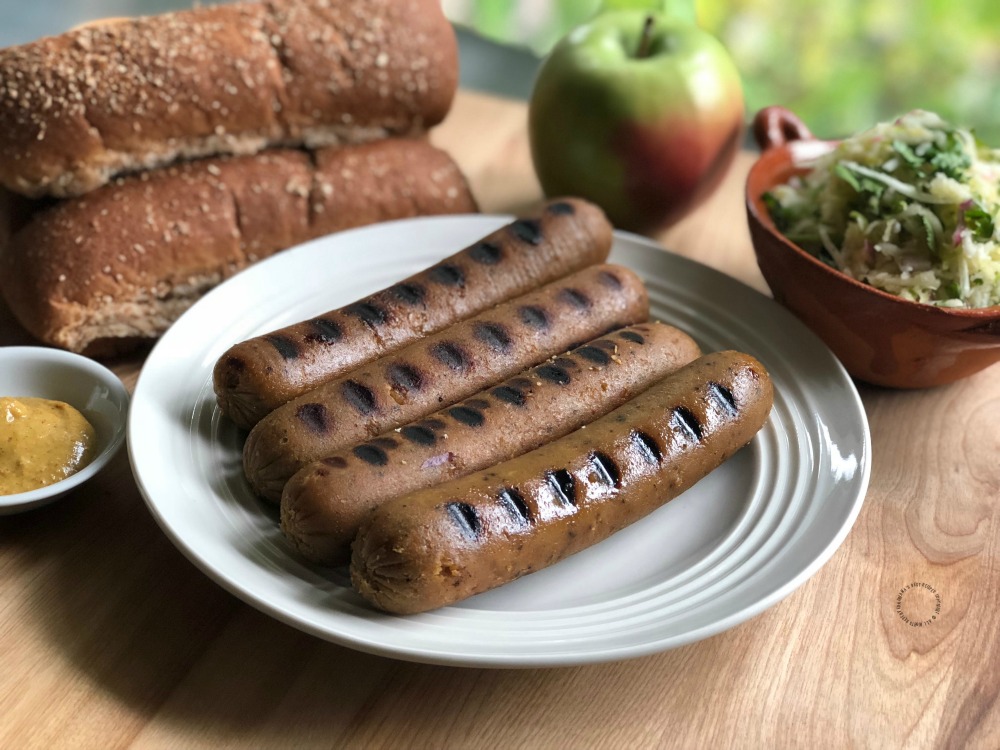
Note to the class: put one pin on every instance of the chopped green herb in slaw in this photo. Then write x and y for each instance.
(910, 206)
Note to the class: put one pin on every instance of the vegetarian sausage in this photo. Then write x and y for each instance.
(324, 502)
(440, 370)
(443, 544)
(258, 375)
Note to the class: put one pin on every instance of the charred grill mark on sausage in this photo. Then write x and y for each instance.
(563, 486)
(632, 336)
(593, 354)
(371, 454)
(513, 502)
(409, 293)
(325, 331)
(360, 397)
(447, 275)
(575, 298)
(405, 378)
(560, 208)
(368, 313)
(495, 336)
(609, 279)
(553, 373)
(534, 316)
(465, 517)
(527, 230)
(486, 253)
(508, 394)
(605, 343)
(419, 434)
(646, 447)
(687, 423)
(451, 355)
(467, 416)
(606, 469)
(284, 346)
(724, 398)
(313, 416)
(566, 363)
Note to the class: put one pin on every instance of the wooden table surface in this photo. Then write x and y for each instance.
(109, 637)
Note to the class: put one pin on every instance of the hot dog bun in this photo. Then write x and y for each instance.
(98, 273)
(323, 504)
(443, 544)
(108, 98)
(254, 377)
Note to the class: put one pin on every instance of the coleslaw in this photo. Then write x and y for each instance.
(911, 206)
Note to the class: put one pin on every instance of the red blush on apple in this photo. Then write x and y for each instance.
(669, 170)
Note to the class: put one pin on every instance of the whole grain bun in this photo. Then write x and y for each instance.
(131, 94)
(99, 273)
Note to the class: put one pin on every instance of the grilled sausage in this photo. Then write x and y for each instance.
(440, 370)
(256, 376)
(443, 544)
(324, 502)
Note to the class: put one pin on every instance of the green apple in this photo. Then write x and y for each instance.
(638, 112)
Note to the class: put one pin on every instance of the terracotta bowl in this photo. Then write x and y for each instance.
(880, 338)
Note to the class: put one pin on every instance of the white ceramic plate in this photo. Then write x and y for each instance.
(727, 549)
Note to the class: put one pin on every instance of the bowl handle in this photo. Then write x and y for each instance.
(776, 126)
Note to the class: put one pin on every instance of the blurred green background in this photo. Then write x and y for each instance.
(841, 65)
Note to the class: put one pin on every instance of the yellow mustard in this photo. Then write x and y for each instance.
(41, 442)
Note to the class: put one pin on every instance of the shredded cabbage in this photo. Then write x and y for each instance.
(910, 206)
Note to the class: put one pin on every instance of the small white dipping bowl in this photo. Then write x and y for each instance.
(38, 372)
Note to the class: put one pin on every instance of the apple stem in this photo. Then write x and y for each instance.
(646, 39)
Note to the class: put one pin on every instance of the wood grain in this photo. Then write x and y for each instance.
(110, 638)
